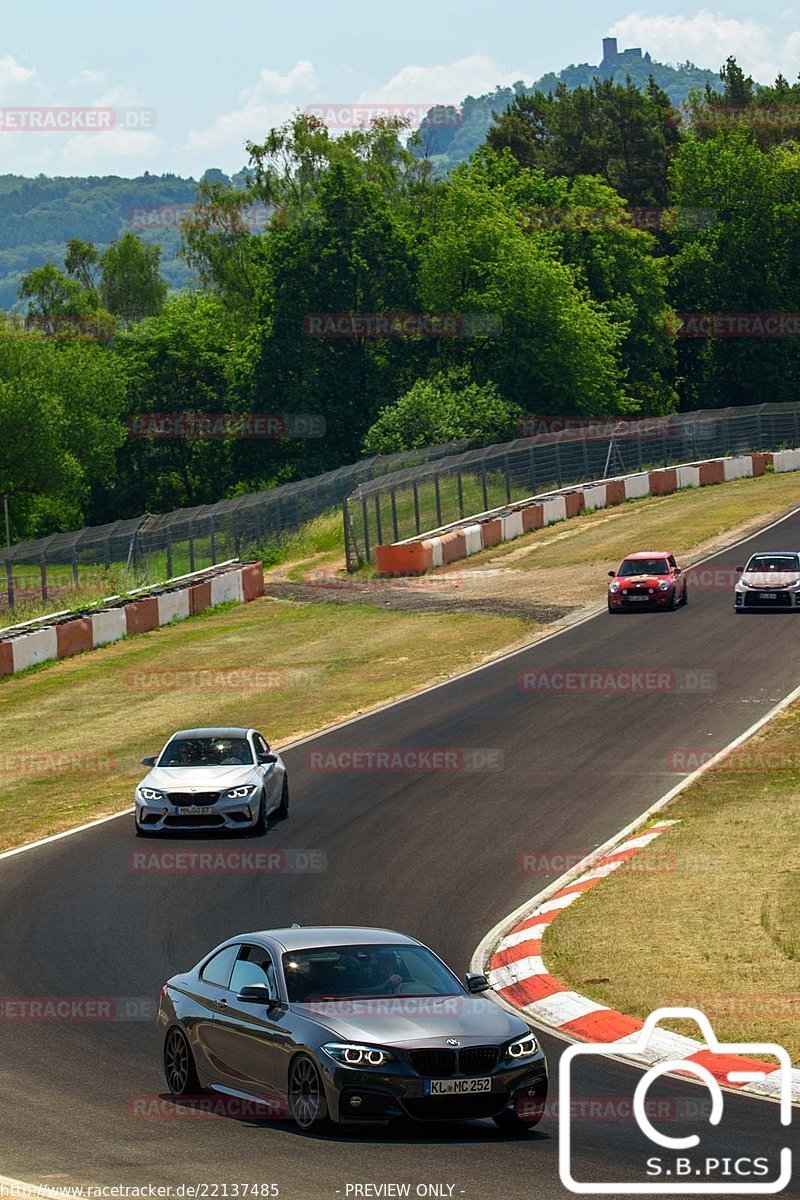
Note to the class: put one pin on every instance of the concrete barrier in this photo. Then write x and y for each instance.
(574, 504)
(711, 472)
(786, 460)
(663, 483)
(435, 544)
(554, 509)
(615, 491)
(454, 546)
(492, 533)
(688, 476)
(252, 581)
(6, 658)
(512, 525)
(407, 558)
(637, 486)
(173, 606)
(199, 597)
(595, 496)
(227, 587)
(141, 615)
(740, 467)
(760, 462)
(532, 517)
(33, 648)
(108, 625)
(473, 540)
(74, 637)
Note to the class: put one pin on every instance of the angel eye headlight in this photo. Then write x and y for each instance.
(524, 1047)
(351, 1054)
(239, 793)
(151, 794)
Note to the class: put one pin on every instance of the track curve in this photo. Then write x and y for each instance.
(435, 854)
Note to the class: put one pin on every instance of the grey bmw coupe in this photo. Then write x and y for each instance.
(339, 1024)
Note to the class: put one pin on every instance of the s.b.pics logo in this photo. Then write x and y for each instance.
(688, 1152)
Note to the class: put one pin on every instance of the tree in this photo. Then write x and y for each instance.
(130, 285)
(52, 294)
(445, 408)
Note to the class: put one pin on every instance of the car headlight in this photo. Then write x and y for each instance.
(152, 795)
(239, 793)
(663, 585)
(613, 587)
(524, 1047)
(350, 1054)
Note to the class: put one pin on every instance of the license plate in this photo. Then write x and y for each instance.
(633, 599)
(768, 595)
(457, 1087)
(197, 810)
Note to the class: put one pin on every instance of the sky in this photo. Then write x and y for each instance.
(183, 84)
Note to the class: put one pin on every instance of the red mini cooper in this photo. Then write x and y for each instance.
(649, 579)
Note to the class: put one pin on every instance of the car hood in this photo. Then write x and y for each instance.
(204, 778)
(639, 580)
(770, 579)
(394, 1020)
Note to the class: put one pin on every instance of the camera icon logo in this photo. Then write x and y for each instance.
(676, 1171)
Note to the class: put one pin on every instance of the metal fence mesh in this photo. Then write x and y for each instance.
(150, 548)
(424, 497)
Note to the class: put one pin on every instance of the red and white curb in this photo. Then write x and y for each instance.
(521, 980)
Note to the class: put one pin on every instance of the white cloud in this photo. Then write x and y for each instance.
(446, 83)
(87, 77)
(90, 148)
(12, 73)
(267, 103)
(709, 38)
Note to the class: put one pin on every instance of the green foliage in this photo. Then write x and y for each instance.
(445, 408)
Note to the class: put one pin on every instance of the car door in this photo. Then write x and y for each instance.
(676, 576)
(210, 993)
(247, 1032)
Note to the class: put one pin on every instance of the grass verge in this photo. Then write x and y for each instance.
(73, 733)
(710, 915)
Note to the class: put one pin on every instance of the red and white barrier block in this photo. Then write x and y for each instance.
(485, 530)
(517, 972)
(64, 634)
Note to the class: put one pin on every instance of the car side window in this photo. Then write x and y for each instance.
(254, 966)
(672, 562)
(218, 969)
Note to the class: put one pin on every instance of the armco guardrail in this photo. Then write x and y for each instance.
(481, 532)
(63, 634)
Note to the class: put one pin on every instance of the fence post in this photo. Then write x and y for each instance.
(416, 506)
(438, 500)
(484, 486)
(460, 485)
(346, 528)
(74, 558)
(169, 554)
(191, 547)
(532, 468)
(43, 575)
(378, 526)
(10, 584)
(213, 541)
(394, 515)
(508, 479)
(365, 519)
(558, 463)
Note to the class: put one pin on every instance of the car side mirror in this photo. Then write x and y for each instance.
(256, 993)
(148, 762)
(739, 570)
(678, 571)
(266, 759)
(612, 574)
(476, 982)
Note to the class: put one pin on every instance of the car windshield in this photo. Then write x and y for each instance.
(779, 563)
(334, 972)
(207, 752)
(644, 566)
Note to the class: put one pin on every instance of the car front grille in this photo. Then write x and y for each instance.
(183, 799)
(456, 1108)
(778, 600)
(472, 1060)
(176, 821)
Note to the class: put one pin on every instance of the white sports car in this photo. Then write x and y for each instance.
(770, 580)
(207, 779)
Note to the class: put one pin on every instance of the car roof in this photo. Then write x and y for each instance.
(310, 937)
(214, 731)
(648, 554)
(774, 553)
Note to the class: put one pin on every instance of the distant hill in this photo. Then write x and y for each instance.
(450, 138)
(38, 215)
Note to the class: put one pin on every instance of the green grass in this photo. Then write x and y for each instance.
(112, 706)
(715, 924)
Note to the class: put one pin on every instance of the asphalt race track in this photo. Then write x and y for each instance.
(436, 854)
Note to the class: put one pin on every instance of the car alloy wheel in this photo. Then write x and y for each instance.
(179, 1067)
(306, 1095)
(282, 811)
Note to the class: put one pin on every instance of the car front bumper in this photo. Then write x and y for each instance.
(355, 1095)
(775, 600)
(622, 600)
(164, 817)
